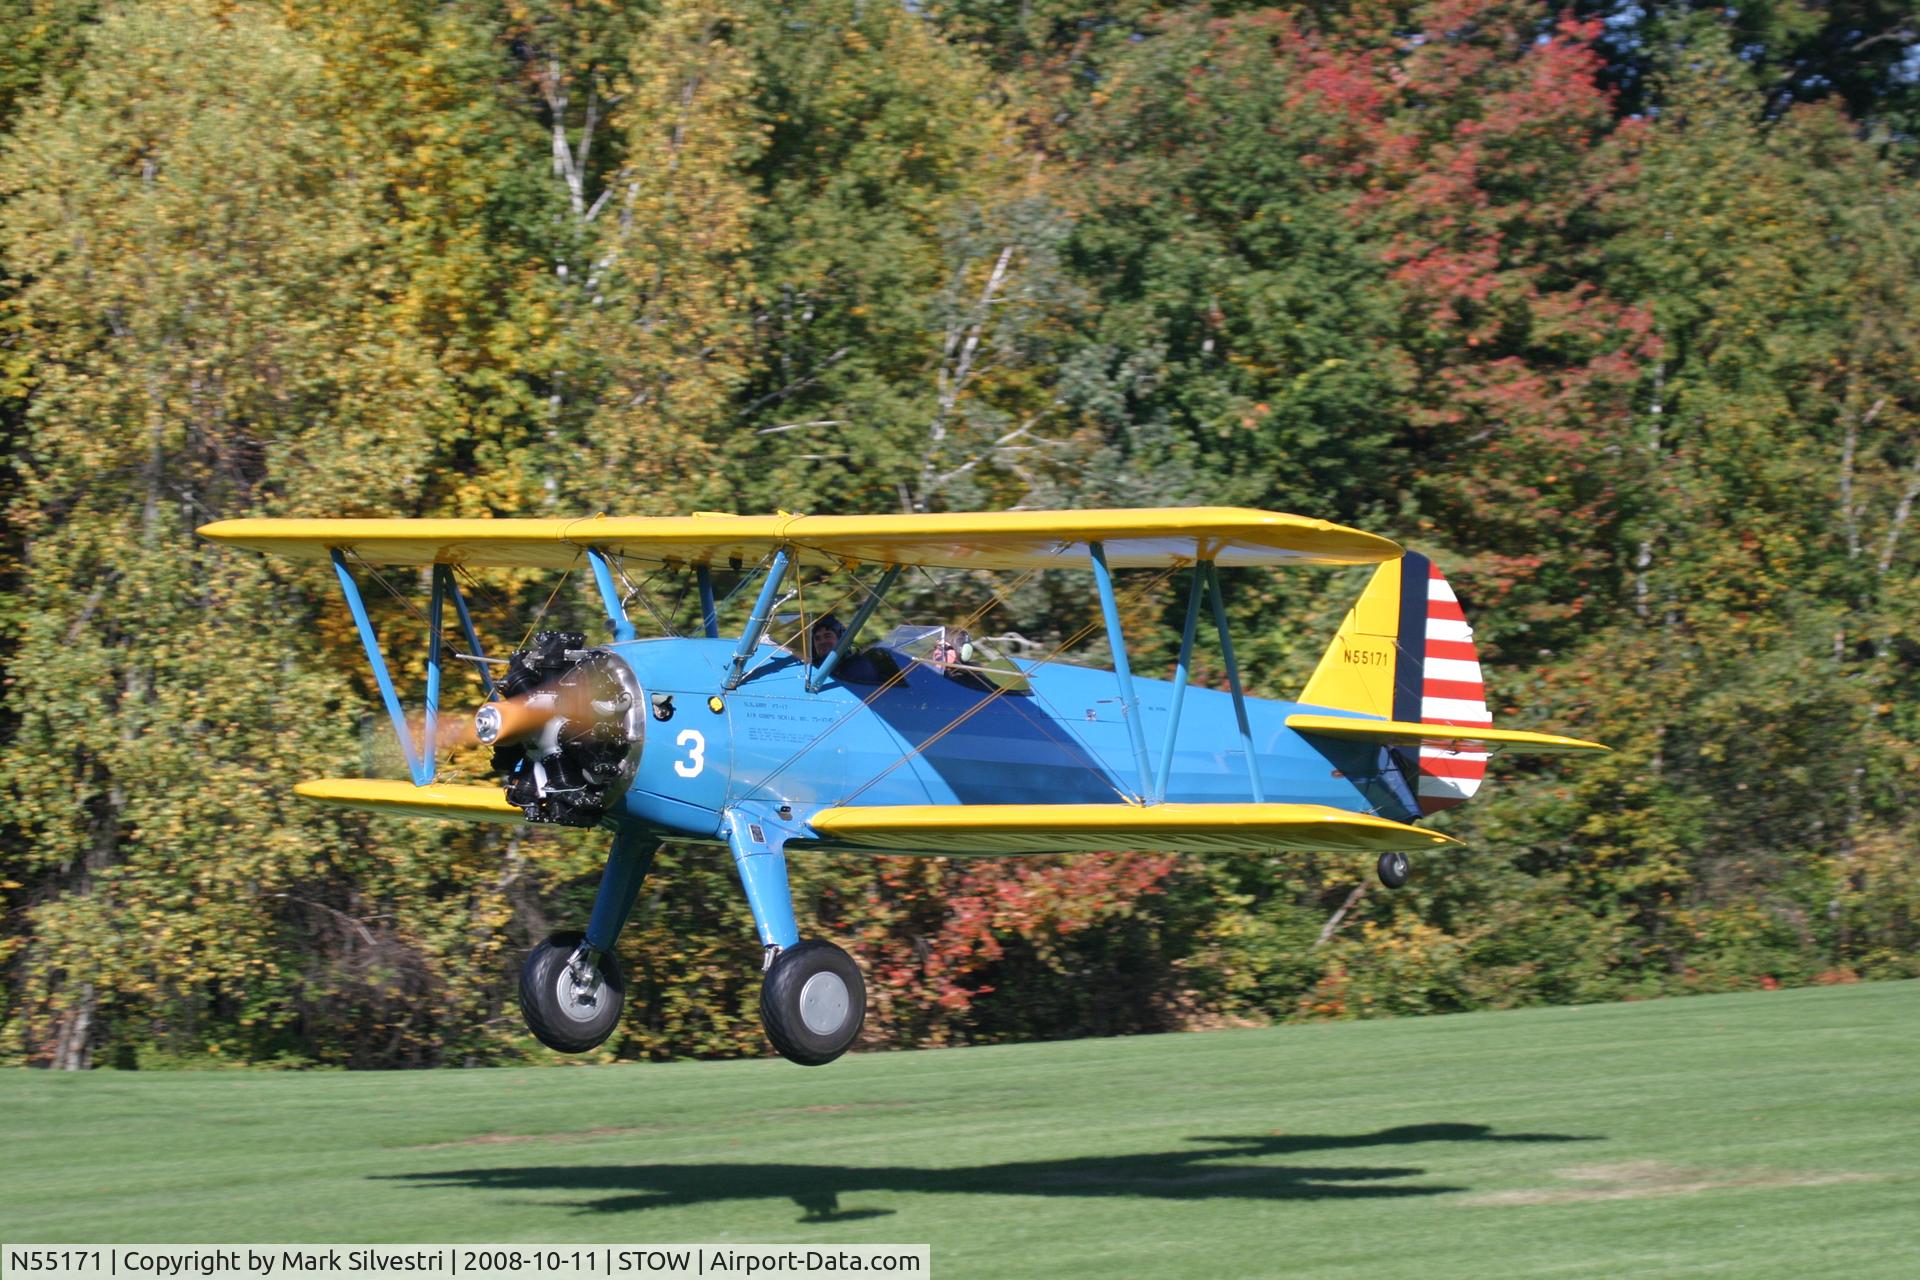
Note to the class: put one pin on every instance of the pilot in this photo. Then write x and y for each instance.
(870, 666)
(826, 634)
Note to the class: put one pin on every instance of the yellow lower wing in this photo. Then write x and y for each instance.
(1082, 828)
(980, 828)
(1412, 733)
(404, 800)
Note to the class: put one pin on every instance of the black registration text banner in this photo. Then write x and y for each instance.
(459, 1261)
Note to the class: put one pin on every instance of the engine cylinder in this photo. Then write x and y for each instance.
(567, 730)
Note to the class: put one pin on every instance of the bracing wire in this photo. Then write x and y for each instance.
(997, 597)
(555, 595)
(982, 705)
(640, 589)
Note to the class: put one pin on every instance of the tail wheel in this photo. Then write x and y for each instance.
(569, 1011)
(1393, 869)
(812, 1003)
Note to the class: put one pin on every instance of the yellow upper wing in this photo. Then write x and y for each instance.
(1133, 538)
(1072, 828)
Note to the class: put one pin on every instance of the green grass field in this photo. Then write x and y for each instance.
(1772, 1134)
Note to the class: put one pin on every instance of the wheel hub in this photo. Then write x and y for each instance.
(579, 1000)
(824, 1001)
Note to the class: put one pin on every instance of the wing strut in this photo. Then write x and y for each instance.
(1205, 582)
(610, 596)
(1122, 671)
(709, 612)
(860, 616)
(421, 762)
(1233, 676)
(466, 628)
(757, 624)
(1180, 674)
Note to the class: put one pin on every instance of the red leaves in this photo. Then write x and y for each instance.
(1469, 150)
(931, 932)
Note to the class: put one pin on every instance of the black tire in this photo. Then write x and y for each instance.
(795, 1008)
(555, 1020)
(1393, 869)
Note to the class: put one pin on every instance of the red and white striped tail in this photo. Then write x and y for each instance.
(1451, 690)
(1405, 653)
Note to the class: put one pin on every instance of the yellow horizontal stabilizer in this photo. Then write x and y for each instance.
(1087, 828)
(1410, 733)
(404, 800)
(999, 540)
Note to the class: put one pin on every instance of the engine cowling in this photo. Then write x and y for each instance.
(567, 729)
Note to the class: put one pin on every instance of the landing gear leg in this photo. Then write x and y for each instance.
(571, 987)
(1393, 869)
(812, 998)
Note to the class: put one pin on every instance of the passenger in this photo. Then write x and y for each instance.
(951, 654)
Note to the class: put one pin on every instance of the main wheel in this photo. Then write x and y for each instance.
(812, 1003)
(562, 1014)
(1393, 869)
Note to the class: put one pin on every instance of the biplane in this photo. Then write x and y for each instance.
(925, 741)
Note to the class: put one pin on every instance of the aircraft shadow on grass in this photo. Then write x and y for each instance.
(1200, 1173)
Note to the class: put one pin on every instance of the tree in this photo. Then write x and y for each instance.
(1774, 441)
(1859, 52)
(459, 213)
(903, 269)
(206, 336)
(662, 313)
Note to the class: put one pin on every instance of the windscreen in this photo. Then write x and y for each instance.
(957, 654)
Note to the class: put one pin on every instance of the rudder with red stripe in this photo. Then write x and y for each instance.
(1405, 653)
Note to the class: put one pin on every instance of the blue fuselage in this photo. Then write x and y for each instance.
(929, 738)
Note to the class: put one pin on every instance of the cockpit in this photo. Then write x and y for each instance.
(951, 652)
(956, 654)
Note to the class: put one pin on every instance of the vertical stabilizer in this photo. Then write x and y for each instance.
(1405, 652)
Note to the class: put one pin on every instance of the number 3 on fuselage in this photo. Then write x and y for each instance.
(695, 743)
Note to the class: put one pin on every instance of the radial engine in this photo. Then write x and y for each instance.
(566, 730)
